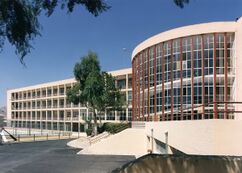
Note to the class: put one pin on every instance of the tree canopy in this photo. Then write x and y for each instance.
(181, 3)
(19, 22)
(94, 88)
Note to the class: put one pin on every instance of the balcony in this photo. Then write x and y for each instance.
(43, 106)
(49, 118)
(75, 106)
(55, 118)
(68, 118)
(43, 118)
(75, 119)
(61, 106)
(62, 93)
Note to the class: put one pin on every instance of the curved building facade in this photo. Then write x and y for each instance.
(188, 73)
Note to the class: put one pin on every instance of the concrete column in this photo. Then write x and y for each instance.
(87, 114)
(41, 121)
(58, 117)
(71, 119)
(52, 120)
(78, 129)
(152, 140)
(105, 115)
(167, 146)
(79, 113)
(127, 87)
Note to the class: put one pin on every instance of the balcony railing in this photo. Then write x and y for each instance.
(55, 118)
(75, 119)
(62, 93)
(68, 118)
(61, 106)
(49, 118)
(55, 106)
(61, 118)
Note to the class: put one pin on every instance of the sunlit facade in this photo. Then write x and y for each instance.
(45, 106)
(189, 73)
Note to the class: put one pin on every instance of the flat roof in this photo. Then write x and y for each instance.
(185, 31)
(66, 81)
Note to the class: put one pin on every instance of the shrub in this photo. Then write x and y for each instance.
(113, 127)
(89, 132)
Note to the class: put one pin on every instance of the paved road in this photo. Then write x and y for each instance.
(54, 157)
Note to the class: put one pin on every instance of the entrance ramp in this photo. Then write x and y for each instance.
(128, 142)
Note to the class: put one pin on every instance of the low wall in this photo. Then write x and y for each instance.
(202, 137)
(182, 164)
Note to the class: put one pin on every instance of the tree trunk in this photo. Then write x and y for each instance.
(95, 122)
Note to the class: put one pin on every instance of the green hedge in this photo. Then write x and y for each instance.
(112, 127)
(89, 132)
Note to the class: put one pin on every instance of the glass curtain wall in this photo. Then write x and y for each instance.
(185, 78)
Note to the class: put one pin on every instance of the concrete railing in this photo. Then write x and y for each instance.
(95, 139)
(183, 164)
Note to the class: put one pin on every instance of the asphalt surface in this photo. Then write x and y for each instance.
(54, 157)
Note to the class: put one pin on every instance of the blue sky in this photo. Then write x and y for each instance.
(67, 37)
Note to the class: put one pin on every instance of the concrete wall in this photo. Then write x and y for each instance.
(238, 68)
(203, 137)
(182, 164)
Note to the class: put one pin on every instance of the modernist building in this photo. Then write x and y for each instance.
(45, 106)
(191, 72)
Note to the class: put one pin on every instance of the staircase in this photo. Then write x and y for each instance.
(95, 139)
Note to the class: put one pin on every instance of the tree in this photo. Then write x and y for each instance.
(19, 22)
(94, 88)
(181, 3)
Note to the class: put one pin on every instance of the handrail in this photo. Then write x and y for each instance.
(97, 138)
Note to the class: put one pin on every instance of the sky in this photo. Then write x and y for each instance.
(113, 35)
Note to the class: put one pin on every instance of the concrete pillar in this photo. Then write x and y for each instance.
(167, 146)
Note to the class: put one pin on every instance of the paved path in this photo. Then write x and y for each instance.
(54, 157)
